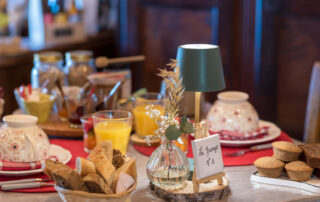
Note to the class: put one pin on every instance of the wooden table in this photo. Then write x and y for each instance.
(241, 188)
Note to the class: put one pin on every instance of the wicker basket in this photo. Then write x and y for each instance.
(67, 195)
(81, 196)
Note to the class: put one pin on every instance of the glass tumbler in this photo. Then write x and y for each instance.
(113, 125)
(78, 106)
(144, 125)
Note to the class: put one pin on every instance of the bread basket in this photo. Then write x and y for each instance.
(81, 196)
(67, 195)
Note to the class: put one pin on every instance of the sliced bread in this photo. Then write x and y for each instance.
(85, 167)
(96, 184)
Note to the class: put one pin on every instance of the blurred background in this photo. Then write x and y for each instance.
(268, 47)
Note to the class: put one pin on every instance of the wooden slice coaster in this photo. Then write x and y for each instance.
(56, 128)
(137, 140)
(207, 191)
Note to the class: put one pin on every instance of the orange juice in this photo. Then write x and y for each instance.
(144, 125)
(116, 131)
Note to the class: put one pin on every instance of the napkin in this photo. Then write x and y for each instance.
(17, 166)
(232, 135)
(20, 166)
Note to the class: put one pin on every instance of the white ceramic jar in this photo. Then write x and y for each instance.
(232, 112)
(21, 140)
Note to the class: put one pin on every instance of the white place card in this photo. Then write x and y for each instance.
(207, 156)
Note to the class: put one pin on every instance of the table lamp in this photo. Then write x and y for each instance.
(201, 71)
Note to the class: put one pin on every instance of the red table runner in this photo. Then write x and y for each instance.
(76, 149)
(246, 159)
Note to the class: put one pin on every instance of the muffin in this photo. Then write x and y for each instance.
(286, 151)
(298, 171)
(269, 166)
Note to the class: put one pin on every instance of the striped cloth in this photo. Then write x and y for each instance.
(232, 135)
(17, 166)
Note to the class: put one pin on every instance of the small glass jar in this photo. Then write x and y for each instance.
(47, 69)
(79, 64)
(89, 139)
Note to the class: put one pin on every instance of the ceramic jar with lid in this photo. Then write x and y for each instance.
(48, 67)
(21, 140)
(79, 64)
(232, 112)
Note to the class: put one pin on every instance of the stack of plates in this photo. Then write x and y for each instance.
(63, 155)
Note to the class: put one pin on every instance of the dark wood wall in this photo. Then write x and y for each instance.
(267, 47)
(156, 28)
(291, 47)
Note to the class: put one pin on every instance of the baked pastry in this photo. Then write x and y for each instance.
(298, 171)
(84, 167)
(49, 166)
(286, 151)
(104, 167)
(269, 166)
(96, 152)
(311, 154)
(107, 147)
(68, 179)
(96, 184)
(118, 159)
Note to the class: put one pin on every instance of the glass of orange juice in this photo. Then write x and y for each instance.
(144, 125)
(113, 125)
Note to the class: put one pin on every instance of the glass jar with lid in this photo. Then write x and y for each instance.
(48, 67)
(79, 64)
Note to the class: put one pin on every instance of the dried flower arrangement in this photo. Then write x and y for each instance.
(168, 123)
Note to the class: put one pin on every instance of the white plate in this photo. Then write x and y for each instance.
(273, 133)
(63, 155)
(312, 185)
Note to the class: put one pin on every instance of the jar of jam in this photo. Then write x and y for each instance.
(89, 139)
(79, 64)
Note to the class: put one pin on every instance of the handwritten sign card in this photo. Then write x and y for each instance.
(207, 156)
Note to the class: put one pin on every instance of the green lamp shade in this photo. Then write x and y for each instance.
(201, 67)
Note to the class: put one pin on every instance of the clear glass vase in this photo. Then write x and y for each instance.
(168, 166)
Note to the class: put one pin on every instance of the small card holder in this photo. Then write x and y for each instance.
(208, 164)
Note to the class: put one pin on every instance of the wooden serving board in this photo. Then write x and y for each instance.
(56, 128)
(137, 140)
(207, 192)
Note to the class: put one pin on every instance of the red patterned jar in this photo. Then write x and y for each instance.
(21, 140)
(232, 112)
